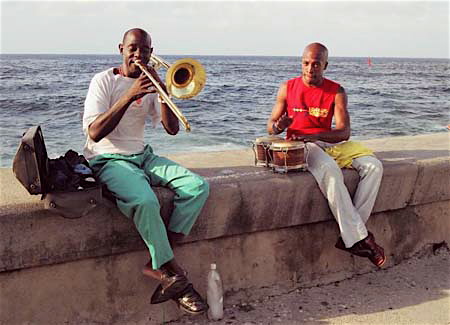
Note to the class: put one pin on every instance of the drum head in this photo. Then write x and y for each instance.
(287, 144)
(268, 139)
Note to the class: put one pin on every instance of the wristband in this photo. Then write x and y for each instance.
(276, 129)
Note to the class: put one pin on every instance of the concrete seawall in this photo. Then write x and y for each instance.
(260, 228)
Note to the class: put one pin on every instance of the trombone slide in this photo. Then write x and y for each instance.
(165, 97)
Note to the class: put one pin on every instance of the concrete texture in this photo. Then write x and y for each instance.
(243, 199)
(111, 290)
(261, 228)
(416, 292)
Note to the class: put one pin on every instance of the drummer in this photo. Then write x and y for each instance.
(305, 107)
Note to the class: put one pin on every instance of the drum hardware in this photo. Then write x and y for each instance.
(261, 147)
(185, 79)
(282, 156)
(288, 156)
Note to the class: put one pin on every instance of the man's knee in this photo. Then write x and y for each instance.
(203, 187)
(374, 167)
(193, 186)
(377, 166)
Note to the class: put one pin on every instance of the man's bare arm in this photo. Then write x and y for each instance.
(278, 120)
(169, 120)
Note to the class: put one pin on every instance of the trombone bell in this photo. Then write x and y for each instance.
(185, 78)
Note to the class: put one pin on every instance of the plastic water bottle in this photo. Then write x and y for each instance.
(214, 294)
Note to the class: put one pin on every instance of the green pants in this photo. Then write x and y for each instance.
(129, 178)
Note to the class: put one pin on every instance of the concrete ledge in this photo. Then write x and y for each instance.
(266, 228)
(111, 290)
(432, 181)
(243, 199)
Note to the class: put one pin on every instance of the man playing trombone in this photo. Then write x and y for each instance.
(117, 104)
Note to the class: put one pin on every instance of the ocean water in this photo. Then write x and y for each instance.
(392, 97)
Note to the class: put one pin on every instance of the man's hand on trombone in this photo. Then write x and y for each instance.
(155, 76)
(141, 87)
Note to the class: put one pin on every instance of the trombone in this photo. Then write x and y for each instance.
(184, 79)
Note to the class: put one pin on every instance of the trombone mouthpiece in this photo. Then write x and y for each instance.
(141, 66)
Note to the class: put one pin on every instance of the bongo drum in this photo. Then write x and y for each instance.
(261, 147)
(288, 156)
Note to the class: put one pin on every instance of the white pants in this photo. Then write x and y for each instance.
(351, 216)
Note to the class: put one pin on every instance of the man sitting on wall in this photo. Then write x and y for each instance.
(305, 106)
(117, 104)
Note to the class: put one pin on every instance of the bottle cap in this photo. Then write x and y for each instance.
(213, 266)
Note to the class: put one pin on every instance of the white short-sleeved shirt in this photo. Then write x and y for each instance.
(105, 89)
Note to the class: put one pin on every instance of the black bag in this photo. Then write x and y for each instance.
(66, 184)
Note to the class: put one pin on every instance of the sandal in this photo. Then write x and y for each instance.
(191, 302)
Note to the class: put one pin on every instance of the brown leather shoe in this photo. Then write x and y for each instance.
(171, 286)
(191, 301)
(365, 248)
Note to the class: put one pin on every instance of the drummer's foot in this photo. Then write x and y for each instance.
(365, 248)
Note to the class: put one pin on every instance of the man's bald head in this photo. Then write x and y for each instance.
(136, 31)
(317, 48)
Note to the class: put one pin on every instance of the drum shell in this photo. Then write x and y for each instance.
(261, 154)
(286, 157)
(261, 148)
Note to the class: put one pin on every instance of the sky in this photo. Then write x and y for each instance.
(414, 29)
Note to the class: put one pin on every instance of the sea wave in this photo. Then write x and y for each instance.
(391, 97)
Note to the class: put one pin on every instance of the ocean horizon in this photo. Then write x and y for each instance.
(389, 97)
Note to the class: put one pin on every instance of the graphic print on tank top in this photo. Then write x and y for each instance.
(312, 108)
